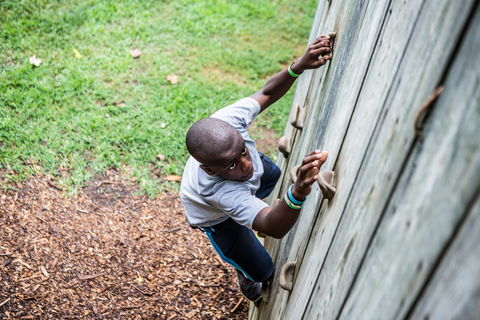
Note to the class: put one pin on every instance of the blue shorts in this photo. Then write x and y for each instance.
(237, 245)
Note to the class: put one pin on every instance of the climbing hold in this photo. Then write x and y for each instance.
(297, 116)
(284, 146)
(326, 182)
(286, 275)
(332, 36)
(294, 173)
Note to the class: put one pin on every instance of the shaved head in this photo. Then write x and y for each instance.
(209, 138)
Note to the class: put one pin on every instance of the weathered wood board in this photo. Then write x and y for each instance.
(438, 183)
(453, 292)
(299, 98)
(380, 76)
(361, 108)
(353, 13)
(372, 188)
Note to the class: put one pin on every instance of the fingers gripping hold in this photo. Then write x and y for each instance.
(308, 172)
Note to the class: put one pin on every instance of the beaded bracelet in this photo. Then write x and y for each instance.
(291, 204)
(292, 199)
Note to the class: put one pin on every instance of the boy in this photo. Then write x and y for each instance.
(225, 179)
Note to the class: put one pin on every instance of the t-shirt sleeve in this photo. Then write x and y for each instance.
(240, 114)
(239, 204)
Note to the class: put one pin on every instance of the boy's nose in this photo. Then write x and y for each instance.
(246, 164)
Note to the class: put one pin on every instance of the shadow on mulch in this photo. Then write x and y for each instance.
(107, 254)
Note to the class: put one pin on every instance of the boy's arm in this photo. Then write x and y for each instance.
(280, 83)
(277, 221)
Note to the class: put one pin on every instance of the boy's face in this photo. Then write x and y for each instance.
(233, 164)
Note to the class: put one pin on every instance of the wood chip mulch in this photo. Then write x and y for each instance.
(107, 254)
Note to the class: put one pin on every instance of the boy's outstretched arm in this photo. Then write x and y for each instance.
(277, 221)
(280, 83)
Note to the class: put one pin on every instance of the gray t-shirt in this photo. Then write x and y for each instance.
(211, 199)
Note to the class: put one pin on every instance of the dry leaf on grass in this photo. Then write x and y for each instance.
(172, 78)
(160, 157)
(173, 178)
(78, 55)
(119, 103)
(135, 53)
(35, 61)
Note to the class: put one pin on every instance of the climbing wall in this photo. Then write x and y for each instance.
(399, 239)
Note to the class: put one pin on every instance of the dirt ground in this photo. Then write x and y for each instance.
(107, 254)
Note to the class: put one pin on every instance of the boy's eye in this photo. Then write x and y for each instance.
(244, 152)
(233, 166)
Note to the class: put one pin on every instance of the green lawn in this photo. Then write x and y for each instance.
(107, 109)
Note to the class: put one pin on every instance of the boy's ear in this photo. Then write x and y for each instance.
(207, 169)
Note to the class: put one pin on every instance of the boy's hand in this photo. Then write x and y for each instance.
(307, 173)
(310, 59)
(277, 221)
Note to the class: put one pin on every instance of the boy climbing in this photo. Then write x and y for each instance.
(226, 177)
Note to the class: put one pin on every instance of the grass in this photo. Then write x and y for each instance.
(74, 118)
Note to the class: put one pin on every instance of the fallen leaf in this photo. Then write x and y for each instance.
(77, 54)
(173, 178)
(172, 78)
(160, 157)
(35, 61)
(135, 53)
(163, 125)
(119, 103)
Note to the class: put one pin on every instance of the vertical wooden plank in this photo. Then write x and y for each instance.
(353, 54)
(272, 245)
(426, 55)
(299, 98)
(437, 184)
(454, 290)
(339, 16)
(379, 78)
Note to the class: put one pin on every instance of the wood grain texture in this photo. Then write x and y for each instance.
(454, 291)
(439, 181)
(390, 56)
(302, 147)
(372, 187)
(347, 71)
(374, 89)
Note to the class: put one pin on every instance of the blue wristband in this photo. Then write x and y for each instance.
(294, 201)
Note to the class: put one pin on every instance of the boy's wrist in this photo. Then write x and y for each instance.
(297, 195)
(297, 67)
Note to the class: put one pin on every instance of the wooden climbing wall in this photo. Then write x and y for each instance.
(399, 240)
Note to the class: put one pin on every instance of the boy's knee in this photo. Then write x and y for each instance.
(277, 172)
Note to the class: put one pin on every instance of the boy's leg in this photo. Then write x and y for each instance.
(238, 246)
(271, 174)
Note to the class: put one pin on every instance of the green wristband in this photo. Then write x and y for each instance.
(293, 74)
(290, 204)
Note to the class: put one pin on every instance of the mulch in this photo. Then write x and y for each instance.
(106, 253)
